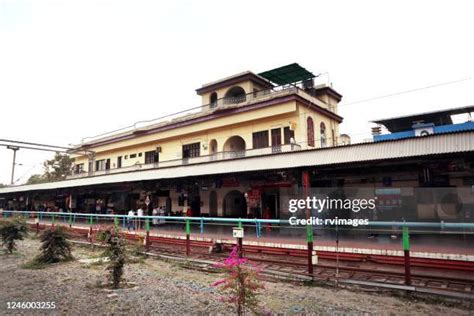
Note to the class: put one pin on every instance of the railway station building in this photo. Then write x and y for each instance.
(246, 149)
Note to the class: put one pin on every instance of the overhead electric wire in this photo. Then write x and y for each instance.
(35, 144)
(35, 148)
(406, 91)
(24, 174)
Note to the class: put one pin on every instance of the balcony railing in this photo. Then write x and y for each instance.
(261, 95)
(220, 156)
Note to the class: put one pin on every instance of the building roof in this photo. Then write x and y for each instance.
(234, 79)
(323, 89)
(405, 123)
(287, 74)
(436, 144)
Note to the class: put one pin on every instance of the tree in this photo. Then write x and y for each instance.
(12, 230)
(58, 168)
(2, 185)
(35, 179)
(55, 169)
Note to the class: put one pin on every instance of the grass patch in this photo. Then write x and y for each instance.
(15, 254)
(94, 265)
(34, 264)
(135, 260)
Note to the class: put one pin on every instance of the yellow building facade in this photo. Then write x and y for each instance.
(260, 122)
(240, 116)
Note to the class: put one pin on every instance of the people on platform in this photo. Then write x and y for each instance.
(130, 220)
(162, 212)
(155, 213)
(139, 219)
(189, 212)
(267, 215)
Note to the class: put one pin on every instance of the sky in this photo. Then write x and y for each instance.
(72, 69)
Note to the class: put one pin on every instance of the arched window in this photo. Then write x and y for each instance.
(310, 131)
(322, 129)
(234, 95)
(213, 100)
(234, 204)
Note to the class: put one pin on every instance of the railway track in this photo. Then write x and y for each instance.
(430, 276)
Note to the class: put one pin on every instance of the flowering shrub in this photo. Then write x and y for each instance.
(242, 284)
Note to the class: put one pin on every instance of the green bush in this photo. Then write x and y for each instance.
(12, 230)
(54, 246)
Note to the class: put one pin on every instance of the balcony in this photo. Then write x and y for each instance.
(220, 156)
(263, 95)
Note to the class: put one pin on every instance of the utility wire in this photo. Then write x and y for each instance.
(35, 144)
(24, 174)
(406, 91)
(35, 148)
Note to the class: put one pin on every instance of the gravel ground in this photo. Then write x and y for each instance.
(166, 289)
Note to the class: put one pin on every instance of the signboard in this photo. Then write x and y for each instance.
(238, 232)
(254, 196)
(230, 182)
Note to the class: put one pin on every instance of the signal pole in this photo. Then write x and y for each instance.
(14, 148)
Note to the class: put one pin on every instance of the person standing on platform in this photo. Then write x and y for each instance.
(162, 212)
(139, 219)
(131, 215)
(267, 215)
(155, 213)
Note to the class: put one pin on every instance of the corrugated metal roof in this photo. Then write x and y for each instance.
(395, 149)
(440, 117)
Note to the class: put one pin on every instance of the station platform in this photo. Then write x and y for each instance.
(423, 244)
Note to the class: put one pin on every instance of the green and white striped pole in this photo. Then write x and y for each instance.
(147, 238)
(188, 233)
(240, 243)
(116, 222)
(406, 253)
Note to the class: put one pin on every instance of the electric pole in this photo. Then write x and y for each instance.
(14, 148)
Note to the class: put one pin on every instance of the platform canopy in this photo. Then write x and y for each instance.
(461, 143)
(287, 74)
